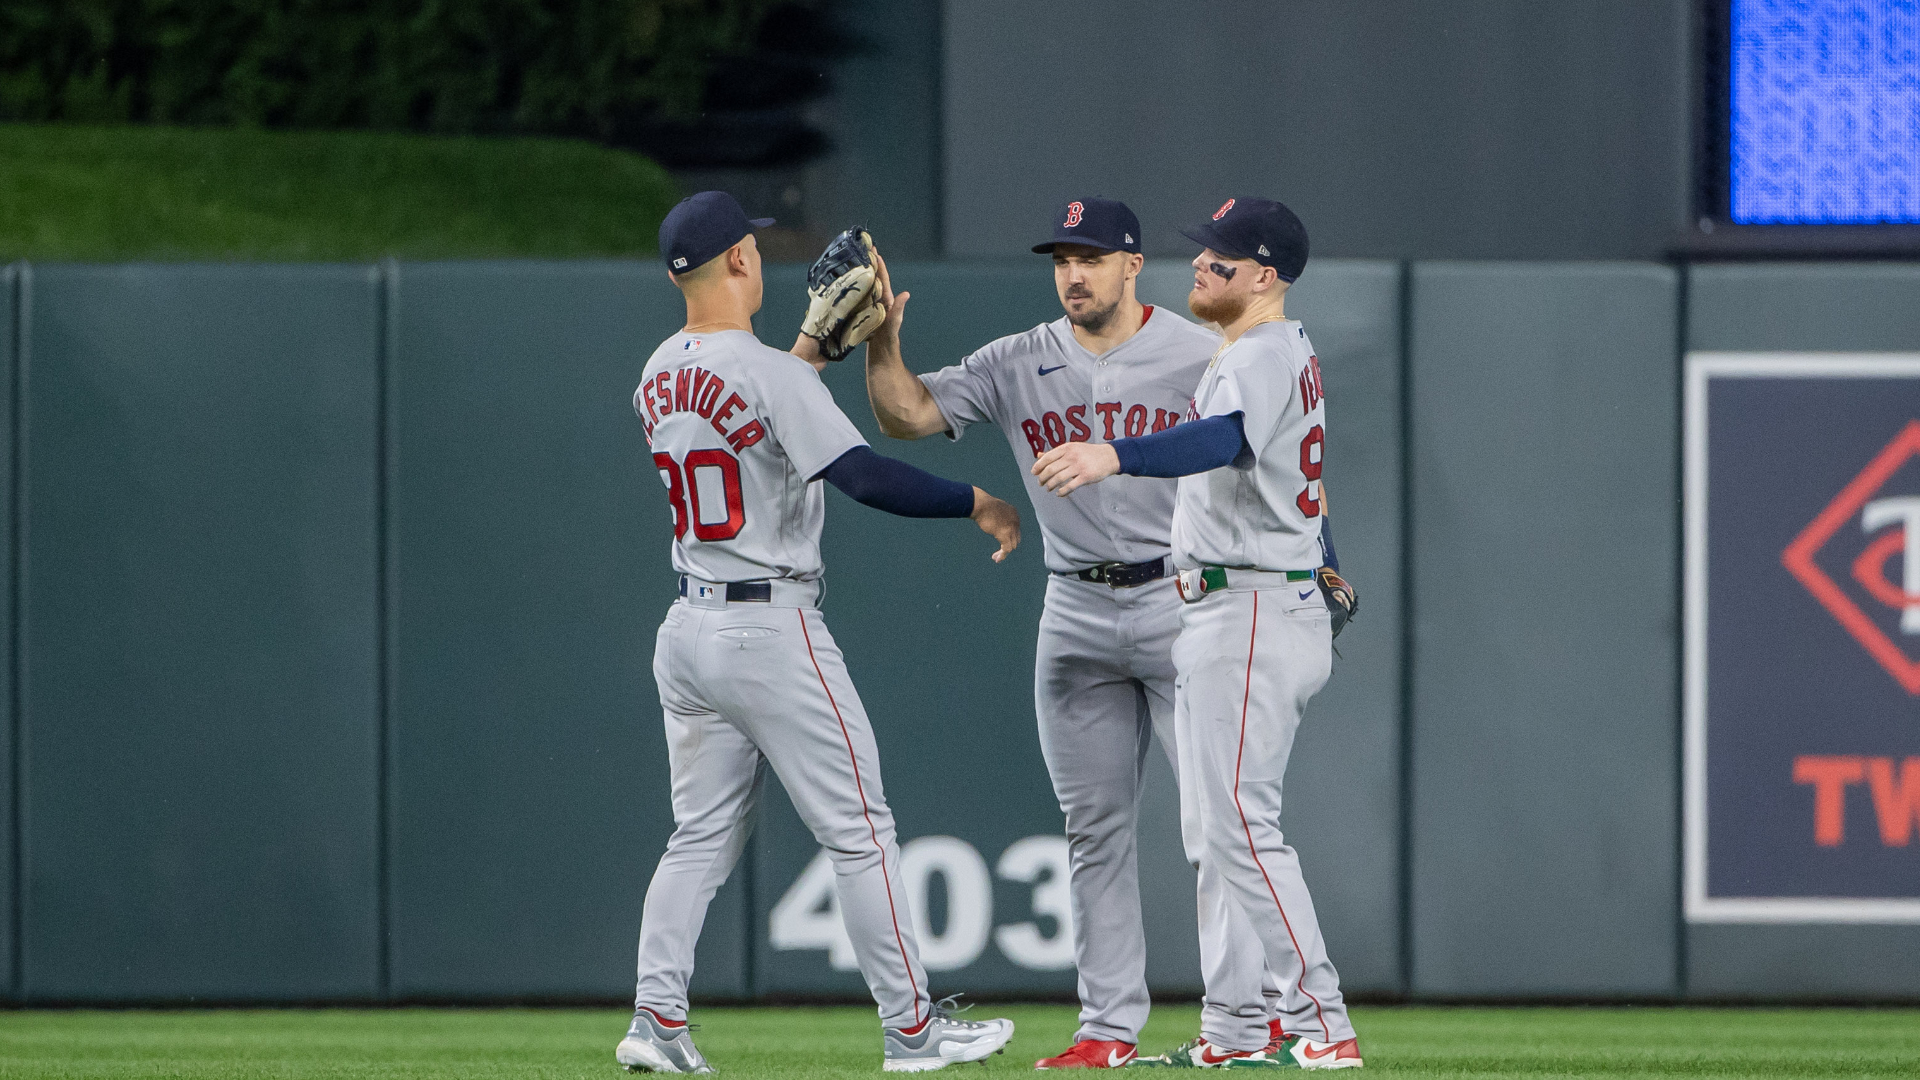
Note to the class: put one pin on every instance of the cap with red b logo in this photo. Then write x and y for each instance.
(1096, 223)
(1258, 229)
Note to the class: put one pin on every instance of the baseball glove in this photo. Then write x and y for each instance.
(1342, 602)
(843, 295)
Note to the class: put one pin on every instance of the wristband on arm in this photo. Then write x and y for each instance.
(1327, 557)
(897, 487)
(1196, 446)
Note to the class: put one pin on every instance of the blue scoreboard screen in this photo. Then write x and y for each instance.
(1825, 104)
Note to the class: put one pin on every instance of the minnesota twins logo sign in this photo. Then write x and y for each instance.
(1873, 523)
(1801, 659)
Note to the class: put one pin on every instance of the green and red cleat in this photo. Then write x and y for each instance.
(1308, 1054)
(1201, 1054)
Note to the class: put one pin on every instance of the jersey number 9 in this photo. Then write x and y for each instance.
(720, 472)
(1310, 465)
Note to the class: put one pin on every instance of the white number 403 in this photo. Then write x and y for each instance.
(808, 916)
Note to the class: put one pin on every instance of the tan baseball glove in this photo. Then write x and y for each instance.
(843, 295)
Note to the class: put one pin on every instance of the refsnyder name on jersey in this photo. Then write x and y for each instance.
(739, 431)
(1265, 516)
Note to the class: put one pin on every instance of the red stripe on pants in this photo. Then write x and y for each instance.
(1240, 755)
(865, 812)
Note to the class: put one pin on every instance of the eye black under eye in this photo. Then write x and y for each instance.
(1222, 270)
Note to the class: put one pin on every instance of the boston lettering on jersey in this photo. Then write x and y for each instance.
(698, 390)
(1116, 419)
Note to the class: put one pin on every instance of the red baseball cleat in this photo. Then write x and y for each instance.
(1276, 1037)
(1091, 1054)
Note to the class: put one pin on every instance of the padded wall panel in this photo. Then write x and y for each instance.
(1545, 652)
(939, 639)
(9, 313)
(1805, 307)
(530, 536)
(198, 634)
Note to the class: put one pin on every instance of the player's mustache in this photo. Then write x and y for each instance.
(1079, 292)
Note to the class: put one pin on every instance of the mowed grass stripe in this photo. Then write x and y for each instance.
(428, 1044)
(96, 194)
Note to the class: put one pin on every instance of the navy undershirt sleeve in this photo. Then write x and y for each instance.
(897, 487)
(1184, 449)
(1327, 556)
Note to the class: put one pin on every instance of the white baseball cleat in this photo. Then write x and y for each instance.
(655, 1044)
(941, 1040)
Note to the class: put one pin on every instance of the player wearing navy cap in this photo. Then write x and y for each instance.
(742, 434)
(1255, 637)
(1103, 673)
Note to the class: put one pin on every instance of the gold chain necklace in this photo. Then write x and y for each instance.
(1225, 344)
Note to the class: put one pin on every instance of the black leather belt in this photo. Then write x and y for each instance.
(741, 592)
(1124, 575)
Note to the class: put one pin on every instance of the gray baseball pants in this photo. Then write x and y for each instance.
(1103, 687)
(1248, 661)
(744, 686)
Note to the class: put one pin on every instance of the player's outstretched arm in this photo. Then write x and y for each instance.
(1193, 447)
(901, 402)
(898, 488)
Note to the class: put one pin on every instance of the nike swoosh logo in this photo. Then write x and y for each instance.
(1306, 594)
(1308, 1050)
(1115, 1059)
(1206, 1056)
(1051, 370)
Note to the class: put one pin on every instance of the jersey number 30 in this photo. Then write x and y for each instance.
(714, 472)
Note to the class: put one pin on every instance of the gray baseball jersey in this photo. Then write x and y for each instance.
(1044, 388)
(1265, 516)
(739, 430)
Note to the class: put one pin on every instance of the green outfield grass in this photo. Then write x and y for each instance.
(70, 192)
(471, 1044)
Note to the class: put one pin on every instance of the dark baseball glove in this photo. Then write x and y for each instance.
(843, 295)
(1342, 602)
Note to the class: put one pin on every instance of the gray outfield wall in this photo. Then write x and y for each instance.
(332, 592)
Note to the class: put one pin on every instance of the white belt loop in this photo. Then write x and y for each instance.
(711, 595)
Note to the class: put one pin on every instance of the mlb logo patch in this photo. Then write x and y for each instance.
(705, 592)
(680, 264)
(692, 344)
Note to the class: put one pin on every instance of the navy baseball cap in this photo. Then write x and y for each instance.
(703, 226)
(1095, 223)
(1258, 229)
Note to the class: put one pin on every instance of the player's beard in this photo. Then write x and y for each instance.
(1095, 319)
(1221, 311)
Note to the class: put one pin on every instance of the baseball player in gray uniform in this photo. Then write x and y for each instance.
(742, 434)
(1104, 674)
(1255, 634)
